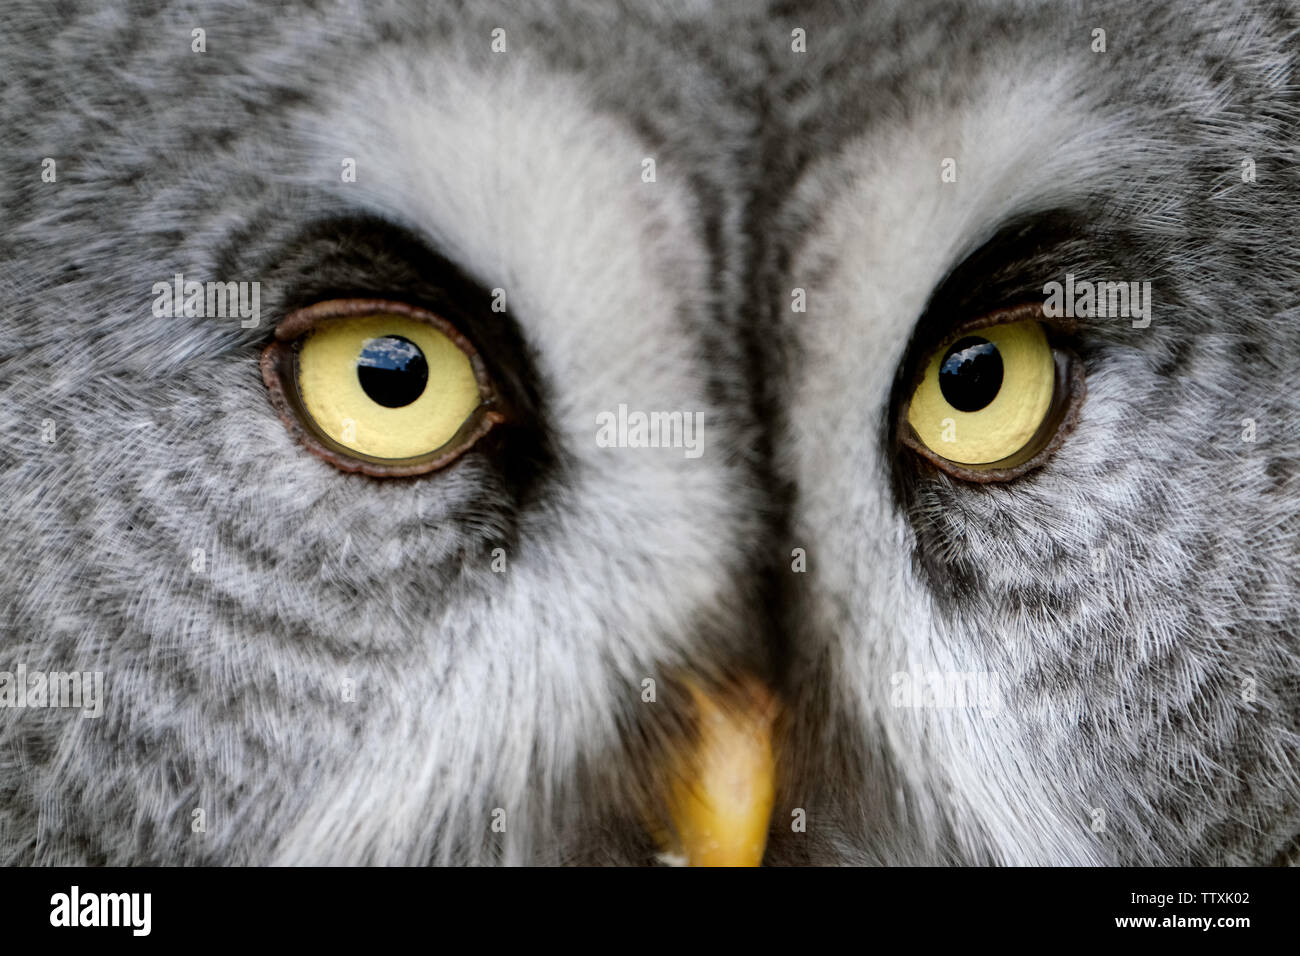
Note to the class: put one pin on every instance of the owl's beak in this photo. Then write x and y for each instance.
(721, 795)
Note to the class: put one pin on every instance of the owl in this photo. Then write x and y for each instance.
(607, 433)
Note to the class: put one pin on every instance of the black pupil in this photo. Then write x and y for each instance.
(392, 371)
(970, 374)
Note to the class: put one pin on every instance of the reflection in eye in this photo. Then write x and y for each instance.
(970, 374)
(392, 370)
(382, 388)
(989, 402)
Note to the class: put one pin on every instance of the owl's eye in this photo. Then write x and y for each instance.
(379, 387)
(994, 400)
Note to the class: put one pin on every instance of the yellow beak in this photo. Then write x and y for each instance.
(721, 797)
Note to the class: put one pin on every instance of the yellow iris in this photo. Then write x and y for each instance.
(333, 393)
(1007, 423)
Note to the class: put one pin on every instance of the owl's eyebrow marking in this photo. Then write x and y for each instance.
(1004, 268)
(1010, 269)
(364, 256)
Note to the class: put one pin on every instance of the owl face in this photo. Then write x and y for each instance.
(597, 407)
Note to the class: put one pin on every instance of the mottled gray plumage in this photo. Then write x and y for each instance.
(1136, 598)
(1124, 686)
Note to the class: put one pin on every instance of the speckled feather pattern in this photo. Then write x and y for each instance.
(1125, 595)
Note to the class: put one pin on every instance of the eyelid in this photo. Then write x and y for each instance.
(1015, 313)
(301, 321)
(279, 372)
